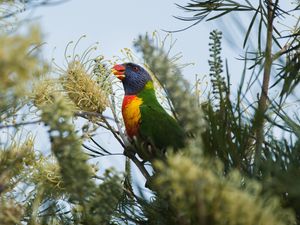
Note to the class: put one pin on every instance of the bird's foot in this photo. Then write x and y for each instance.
(129, 153)
(150, 183)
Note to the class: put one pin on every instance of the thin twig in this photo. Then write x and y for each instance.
(114, 133)
(140, 167)
(281, 52)
(116, 119)
(104, 119)
(99, 146)
(112, 154)
(20, 124)
(92, 150)
(95, 114)
(107, 128)
(85, 116)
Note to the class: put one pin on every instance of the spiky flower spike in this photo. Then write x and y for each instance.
(43, 92)
(82, 90)
(80, 82)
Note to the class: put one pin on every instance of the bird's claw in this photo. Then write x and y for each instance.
(129, 153)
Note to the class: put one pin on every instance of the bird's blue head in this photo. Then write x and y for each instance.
(133, 77)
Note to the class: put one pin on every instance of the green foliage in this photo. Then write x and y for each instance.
(212, 198)
(290, 73)
(228, 134)
(216, 67)
(94, 204)
(10, 212)
(103, 204)
(251, 145)
(20, 63)
(66, 147)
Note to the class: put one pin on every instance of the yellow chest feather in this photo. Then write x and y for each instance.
(131, 114)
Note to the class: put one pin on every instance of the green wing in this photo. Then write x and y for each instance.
(158, 127)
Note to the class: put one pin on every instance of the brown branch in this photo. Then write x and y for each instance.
(20, 124)
(105, 127)
(95, 114)
(104, 119)
(263, 100)
(140, 166)
(281, 51)
(114, 133)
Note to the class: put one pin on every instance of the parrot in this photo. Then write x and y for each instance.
(144, 117)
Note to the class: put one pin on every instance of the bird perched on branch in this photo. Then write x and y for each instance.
(143, 116)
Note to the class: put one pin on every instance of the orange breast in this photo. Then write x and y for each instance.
(131, 114)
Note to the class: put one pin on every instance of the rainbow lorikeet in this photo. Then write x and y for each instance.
(143, 116)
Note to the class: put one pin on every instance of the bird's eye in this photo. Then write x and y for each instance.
(135, 68)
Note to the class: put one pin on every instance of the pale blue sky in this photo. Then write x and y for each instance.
(115, 24)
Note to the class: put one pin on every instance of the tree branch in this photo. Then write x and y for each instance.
(104, 118)
(263, 100)
(20, 124)
(140, 166)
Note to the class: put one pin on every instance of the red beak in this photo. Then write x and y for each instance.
(119, 71)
